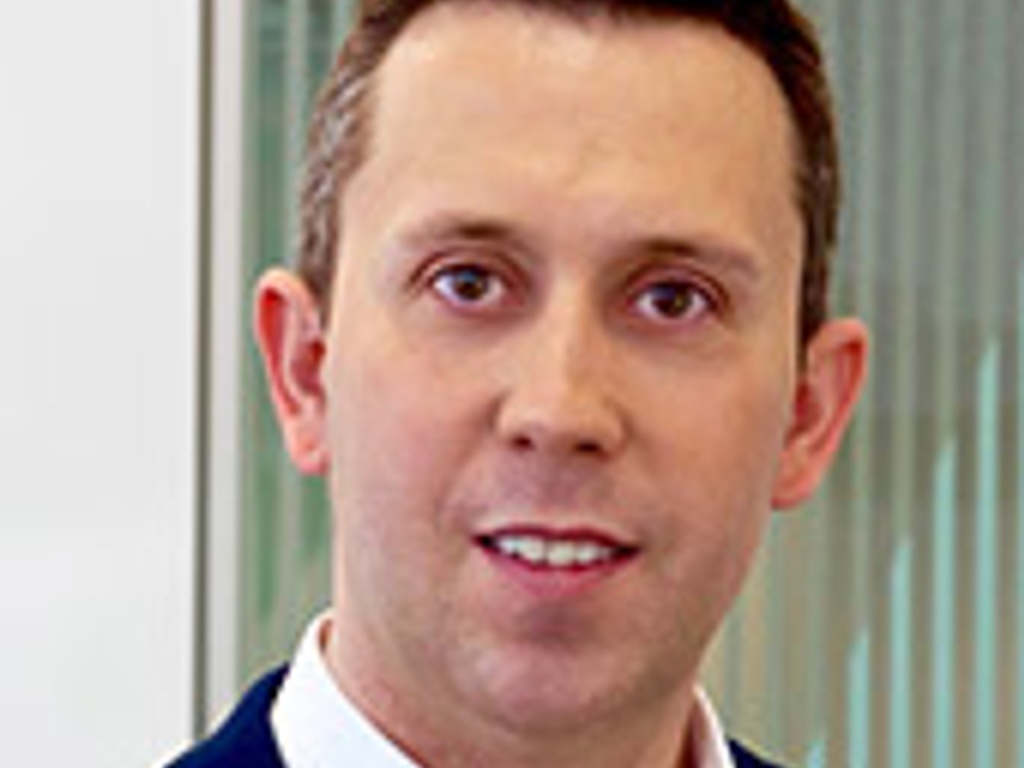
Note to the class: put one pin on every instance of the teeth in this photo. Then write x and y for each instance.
(553, 554)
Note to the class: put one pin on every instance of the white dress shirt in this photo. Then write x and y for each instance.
(317, 726)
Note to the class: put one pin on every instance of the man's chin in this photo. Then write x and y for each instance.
(544, 694)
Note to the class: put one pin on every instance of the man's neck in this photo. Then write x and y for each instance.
(462, 737)
(653, 745)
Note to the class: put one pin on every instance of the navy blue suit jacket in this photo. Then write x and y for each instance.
(245, 740)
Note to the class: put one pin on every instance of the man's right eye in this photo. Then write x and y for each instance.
(469, 286)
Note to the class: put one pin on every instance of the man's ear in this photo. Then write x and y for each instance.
(290, 335)
(827, 389)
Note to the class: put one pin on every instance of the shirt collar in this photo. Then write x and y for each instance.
(317, 726)
(707, 736)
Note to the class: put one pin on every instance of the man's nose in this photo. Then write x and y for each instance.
(560, 396)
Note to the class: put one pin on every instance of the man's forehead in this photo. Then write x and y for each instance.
(661, 99)
(624, 65)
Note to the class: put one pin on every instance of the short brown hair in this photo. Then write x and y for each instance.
(773, 29)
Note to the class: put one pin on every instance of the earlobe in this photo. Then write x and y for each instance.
(827, 391)
(291, 340)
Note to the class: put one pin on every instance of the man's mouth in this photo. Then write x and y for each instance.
(555, 551)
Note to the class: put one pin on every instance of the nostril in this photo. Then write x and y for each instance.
(580, 427)
(529, 441)
(522, 443)
(588, 447)
(525, 443)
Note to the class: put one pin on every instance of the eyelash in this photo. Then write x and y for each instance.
(440, 283)
(499, 290)
(707, 301)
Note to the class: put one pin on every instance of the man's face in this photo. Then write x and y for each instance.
(561, 365)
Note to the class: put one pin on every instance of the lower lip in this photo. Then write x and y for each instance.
(555, 583)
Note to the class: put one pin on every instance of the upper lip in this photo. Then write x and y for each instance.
(575, 534)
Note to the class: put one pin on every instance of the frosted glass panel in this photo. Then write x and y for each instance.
(884, 626)
(285, 522)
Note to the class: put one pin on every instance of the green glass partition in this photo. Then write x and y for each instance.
(884, 625)
(285, 521)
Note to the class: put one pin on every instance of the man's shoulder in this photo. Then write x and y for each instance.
(245, 738)
(744, 758)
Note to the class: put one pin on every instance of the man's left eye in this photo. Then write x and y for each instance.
(673, 301)
(469, 285)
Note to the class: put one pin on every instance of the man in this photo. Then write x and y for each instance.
(559, 345)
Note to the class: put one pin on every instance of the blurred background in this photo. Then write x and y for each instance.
(156, 551)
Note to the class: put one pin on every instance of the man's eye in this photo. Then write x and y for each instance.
(469, 285)
(673, 301)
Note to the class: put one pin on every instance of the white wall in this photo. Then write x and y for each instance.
(98, 210)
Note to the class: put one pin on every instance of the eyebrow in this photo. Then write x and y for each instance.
(461, 227)
(737, 261)
(710, 250)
